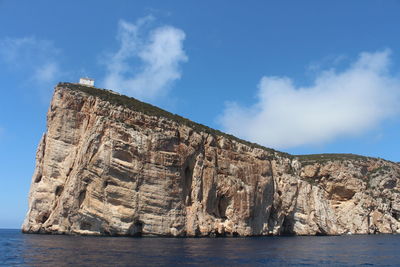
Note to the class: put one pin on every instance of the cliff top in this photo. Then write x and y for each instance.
(148, 109)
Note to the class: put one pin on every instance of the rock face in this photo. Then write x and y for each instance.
(110, 165)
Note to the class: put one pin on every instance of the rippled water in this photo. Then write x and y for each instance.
(17, 249)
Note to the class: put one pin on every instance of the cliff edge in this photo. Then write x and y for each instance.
(111, 165)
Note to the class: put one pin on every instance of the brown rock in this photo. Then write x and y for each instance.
(108, 165)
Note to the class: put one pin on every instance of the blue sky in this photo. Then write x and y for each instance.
(299, 76)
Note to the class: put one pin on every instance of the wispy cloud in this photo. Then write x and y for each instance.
(47, 72)
(330, 61)
(338, 104)
(35, 56)
(147, 61)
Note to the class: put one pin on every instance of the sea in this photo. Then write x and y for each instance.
(17, 249)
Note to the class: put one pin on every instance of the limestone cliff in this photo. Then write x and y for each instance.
(111, 165)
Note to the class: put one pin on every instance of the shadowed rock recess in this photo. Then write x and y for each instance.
(112, 165)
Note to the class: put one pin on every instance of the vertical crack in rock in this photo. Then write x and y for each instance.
(187, 184)
(81, 197)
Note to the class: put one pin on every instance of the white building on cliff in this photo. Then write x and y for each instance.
(86, 81)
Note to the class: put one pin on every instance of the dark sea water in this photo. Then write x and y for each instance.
(18, 249)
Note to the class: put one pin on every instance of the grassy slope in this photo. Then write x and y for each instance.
(136, 105)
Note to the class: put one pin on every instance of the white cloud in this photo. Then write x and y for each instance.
(47, 72)
(332, 61)
(338, 104)
(159, 53)
(35, 56)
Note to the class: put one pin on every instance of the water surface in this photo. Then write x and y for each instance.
(17, 249)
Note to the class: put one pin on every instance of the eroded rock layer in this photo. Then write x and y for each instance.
(105, 167)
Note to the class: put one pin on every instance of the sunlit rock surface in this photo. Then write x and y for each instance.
(108, 165)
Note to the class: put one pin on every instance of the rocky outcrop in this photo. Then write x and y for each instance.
(111, 165)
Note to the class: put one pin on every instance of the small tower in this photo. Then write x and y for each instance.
(87, 81)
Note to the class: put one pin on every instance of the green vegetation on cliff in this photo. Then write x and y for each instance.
(319, 158)
(148, 109)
